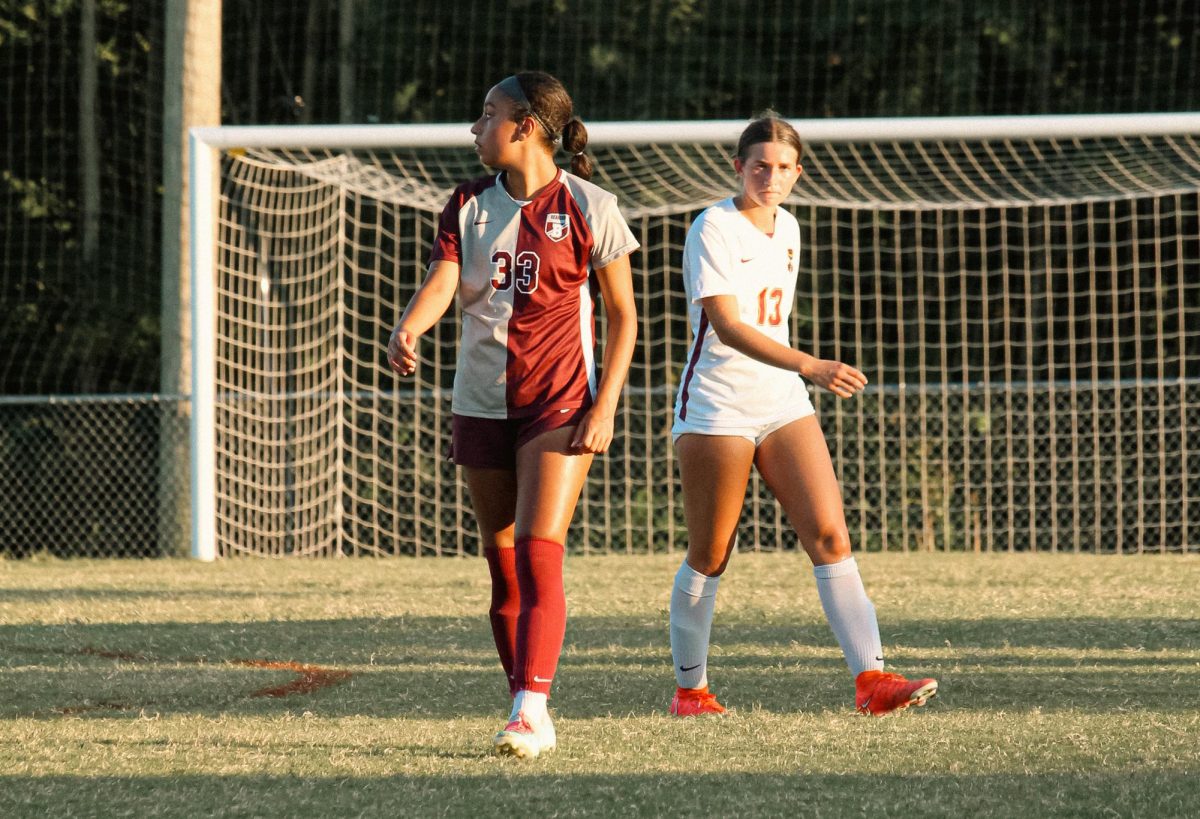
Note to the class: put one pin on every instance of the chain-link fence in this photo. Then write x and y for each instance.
(93, 476)
(1045, 467)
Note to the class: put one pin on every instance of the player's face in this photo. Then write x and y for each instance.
(495, 132)
(768, 172)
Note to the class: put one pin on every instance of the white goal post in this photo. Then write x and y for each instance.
(1024, 293)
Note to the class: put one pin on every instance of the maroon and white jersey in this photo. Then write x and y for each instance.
(526, 292)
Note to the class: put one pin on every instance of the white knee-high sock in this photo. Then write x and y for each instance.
(693, 598)
(850, 614)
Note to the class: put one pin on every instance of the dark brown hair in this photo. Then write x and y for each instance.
(547, 101)
(768, 127)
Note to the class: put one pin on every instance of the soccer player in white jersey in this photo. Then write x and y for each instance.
(742, 403)
(526, 247)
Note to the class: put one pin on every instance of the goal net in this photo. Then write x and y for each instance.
(1023, 293)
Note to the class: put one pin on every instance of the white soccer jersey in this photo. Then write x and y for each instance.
(725, 255)
(526, 290)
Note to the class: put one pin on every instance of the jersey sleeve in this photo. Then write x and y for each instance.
(611, 237)
(447, 244)
(707, 261)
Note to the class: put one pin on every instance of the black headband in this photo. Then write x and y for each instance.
(511, 86)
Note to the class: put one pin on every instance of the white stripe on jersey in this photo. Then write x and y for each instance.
(489, 223)
(585, 334)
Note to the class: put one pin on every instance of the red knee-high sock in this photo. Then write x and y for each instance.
(543, 619)
(506, 606)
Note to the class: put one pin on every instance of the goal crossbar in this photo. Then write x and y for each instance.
(859, 129)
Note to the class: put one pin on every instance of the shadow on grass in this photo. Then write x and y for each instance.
(527, 789)
(443, 667)
(72, 594)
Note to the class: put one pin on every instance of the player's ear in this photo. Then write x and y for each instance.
(737, 165)
(526, 128)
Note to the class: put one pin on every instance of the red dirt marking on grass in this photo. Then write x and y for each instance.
(312, 677)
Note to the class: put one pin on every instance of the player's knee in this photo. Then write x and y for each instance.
(831, 545)
(711, 569)
(711, 565)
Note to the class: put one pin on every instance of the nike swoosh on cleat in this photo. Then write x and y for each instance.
(482, 221)
(689, 668)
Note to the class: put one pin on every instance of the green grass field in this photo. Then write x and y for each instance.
(1070, 687)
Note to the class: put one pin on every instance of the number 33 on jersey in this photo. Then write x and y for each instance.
(528, 263)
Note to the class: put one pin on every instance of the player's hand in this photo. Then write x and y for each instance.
(594, 433)
(402, 351)
(840, 379)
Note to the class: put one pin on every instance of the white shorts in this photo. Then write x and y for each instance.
(754, 433)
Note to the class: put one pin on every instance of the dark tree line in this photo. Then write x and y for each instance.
(80, 179)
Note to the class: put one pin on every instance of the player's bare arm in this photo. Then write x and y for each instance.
(429, 304)
(595, 432)
(840, 379)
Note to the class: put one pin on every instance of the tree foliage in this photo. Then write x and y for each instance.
(76, 326)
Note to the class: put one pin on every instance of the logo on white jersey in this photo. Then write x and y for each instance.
(558, 226)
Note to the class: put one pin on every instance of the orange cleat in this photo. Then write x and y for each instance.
(692, 702)
(879, 693)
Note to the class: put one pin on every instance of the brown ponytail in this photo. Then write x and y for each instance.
(574, 140)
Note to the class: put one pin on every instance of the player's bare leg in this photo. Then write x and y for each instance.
(795, 463)
(494, 503)
(714, 470)
(549, 479)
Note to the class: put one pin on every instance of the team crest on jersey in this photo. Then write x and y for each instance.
(558, 226)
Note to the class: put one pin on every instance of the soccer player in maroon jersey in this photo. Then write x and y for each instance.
(742, 403)
(526, 248)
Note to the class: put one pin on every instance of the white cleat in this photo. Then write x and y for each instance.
(523, 739)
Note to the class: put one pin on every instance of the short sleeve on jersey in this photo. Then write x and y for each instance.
(708, 261)
(611, 237)
(447, 244)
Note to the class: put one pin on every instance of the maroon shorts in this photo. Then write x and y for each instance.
(492, 443)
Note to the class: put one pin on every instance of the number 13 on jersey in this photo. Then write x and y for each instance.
(527, 266)
(770, 304)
